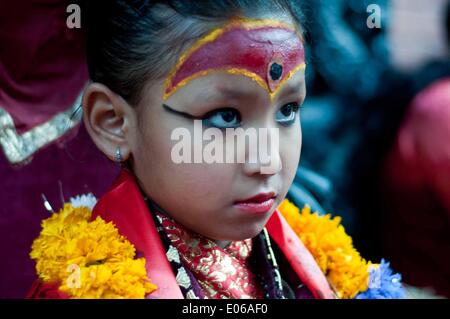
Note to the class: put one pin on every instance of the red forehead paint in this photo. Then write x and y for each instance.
(267, 51)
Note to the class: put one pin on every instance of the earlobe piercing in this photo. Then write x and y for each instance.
(119, 157)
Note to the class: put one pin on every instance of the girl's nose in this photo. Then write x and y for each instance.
(263, 157)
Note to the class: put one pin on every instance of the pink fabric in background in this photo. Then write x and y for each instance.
(42, 71)
(417, 189)
(80, 168)
(42, 62)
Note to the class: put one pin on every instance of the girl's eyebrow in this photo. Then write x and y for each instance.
(291, 89)
(224, 93)
(233, 93)
(180, 113)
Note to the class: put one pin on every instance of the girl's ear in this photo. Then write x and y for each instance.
(108, 119)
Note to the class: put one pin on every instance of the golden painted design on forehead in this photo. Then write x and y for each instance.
(267, 51)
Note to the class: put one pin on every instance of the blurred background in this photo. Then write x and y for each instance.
(376, 129)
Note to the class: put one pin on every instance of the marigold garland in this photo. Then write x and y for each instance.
(326, 239)
(89, 259)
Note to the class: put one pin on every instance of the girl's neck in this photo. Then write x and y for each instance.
(222, 243)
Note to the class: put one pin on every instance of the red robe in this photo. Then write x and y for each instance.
(124, 205)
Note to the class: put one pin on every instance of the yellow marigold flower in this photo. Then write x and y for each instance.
(89, 259)
(331, 247)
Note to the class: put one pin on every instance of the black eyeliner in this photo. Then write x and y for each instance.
(193, 117)
(183, 114)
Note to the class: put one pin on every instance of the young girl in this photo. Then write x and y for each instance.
(196, 228)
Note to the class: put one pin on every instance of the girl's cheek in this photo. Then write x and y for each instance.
(210, 178)
(290, 147)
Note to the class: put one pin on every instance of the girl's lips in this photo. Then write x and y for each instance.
(260, 203)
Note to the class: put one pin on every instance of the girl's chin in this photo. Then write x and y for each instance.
(240, 233)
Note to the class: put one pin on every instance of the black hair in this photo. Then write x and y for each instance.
(131, 42)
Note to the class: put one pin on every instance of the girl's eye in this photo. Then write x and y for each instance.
(287, 113)
(223, 118)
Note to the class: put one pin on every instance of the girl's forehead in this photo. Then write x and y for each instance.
(266, 51)
(226, 90)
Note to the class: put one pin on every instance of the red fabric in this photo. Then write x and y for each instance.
(417, 192)
(124, 205)
(40, 290)
(221, 272)
(298, 256)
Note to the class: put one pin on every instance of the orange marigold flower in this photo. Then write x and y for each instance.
(331, 247)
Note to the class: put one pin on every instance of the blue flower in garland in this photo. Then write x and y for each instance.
(383, 284)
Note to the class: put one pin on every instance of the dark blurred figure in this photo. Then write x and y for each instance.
(355, 100)
(358, 98)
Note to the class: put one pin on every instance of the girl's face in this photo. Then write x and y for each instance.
(204, 197)
(216, 200)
